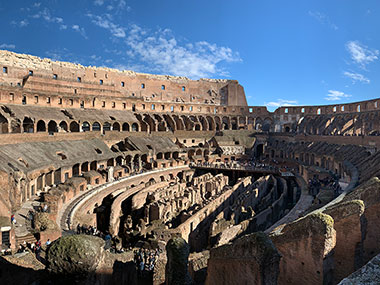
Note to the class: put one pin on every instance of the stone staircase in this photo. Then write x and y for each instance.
(27, 238)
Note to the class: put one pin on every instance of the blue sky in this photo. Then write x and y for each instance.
(282, 52)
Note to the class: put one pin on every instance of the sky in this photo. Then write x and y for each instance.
(293, 52)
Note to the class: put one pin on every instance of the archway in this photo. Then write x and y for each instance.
(52, 127)
(135, 127)
(41, 126)
(125, 127)
(27, 125)
(85, 127)
(74, 127)
(96, 127)
(116, 127)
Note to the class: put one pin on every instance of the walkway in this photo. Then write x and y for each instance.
(297, 211)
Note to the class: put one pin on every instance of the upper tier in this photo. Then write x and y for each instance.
(45, 75)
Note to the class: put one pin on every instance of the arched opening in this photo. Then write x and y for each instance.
(84, 167)
(76, 169)
(287, 129)
(93, 165)
(52, 127)
(3, 124)
(136, 162)
(106, 127)
(125, 127)
(74, 127)
(110, 162)
(259, 150)
(160, 155)
(41, 126)
(63, 126)
(96, 127)
(176, 155)
(197, 127)
(85, 127)
(27, 125)
(116, 127)
(135, 127)
(119, 160)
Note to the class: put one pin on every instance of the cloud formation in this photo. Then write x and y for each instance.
(281, 102)
(118, 5)
(106, 23)
(356, 77)
(361, 54)
(335, 95)
(46, 15)
(7, 46)
(323, 19)
(161, 52)
(80, 30)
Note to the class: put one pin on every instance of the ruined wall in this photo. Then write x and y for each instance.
(252, 259)
(306, 246)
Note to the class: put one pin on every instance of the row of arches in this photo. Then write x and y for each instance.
(146, 122)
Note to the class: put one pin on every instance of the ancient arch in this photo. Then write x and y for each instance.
(27, 124)
(52, 127)
(74, 127)
(41, 126)
(125, 127)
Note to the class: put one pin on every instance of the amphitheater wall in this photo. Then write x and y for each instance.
(348, 227)
(306, 245)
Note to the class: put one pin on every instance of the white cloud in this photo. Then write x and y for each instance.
(80, 30)
(281, 102)
(7, 46)
(361, 54)
(356, 77)
(161, 52)
(106, 23)
(46, 15)
(113, 4)
(335, 95)
(98, 2)
(21, 24)
(323, 19)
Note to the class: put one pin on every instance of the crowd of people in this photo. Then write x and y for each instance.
(331, 183)
(247, 164)
(35, 247)
(145, 260)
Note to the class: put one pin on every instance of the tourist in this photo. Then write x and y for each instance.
(79, 229)
(13, 220)
(48, 242)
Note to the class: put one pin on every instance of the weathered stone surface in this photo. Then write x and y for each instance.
(369, 193)
(306, 246)
(177, 266)
(369, 274)
(43, 223)
(75, 256)
(198, 266)
(347, 224)
(252, 259)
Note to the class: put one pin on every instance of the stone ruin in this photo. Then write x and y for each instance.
(155, 161)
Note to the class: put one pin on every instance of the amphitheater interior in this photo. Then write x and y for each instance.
(213, 190)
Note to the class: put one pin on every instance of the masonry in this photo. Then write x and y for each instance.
(148, 158)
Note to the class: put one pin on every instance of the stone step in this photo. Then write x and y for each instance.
(27, 238)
